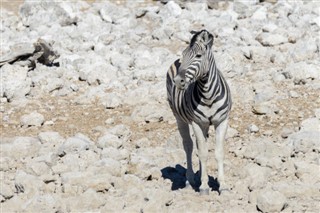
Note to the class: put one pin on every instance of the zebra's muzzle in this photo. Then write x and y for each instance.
(180, 82)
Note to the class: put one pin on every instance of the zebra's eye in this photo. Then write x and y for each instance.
(198, 56)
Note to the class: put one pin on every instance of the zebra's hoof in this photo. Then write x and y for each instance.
(204, 192)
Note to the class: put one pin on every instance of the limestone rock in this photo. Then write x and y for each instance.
(258, 176)
(109, 140)
(15, 83)
(271, 201)
(268, 39)
(32, 119)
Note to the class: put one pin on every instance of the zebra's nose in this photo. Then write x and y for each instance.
(178, 80)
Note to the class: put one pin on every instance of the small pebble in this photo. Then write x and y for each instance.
(293, 94)
(253, 128)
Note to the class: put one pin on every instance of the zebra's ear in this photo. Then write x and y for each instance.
(193, 32)
(208, 39)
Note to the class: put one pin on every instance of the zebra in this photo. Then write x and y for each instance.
(199, 97)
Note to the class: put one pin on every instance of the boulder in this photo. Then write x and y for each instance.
(171, 9)
(15, 82)
(271, 201)
(35, 14)
(302, 72)
(109, 140)
(307, 172)
(75, 183)
(271, 39)
(260, 14)
(310, 124)
(74, 144)
(32, 119)
(27, 184)
(258, 176)
(21, 147)
(305, 141)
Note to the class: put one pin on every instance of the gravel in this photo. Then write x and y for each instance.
(93, 128)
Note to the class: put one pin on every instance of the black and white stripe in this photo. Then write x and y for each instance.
(199, 96)
(204, 97)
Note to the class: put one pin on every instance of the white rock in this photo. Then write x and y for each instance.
(229, 16)
(258, 176)
(121, 60)
(253, 128)
(32, 119)
(109, 121)
(197, 8)
(77, 182)
(310, 124)
(286, 132)
(232, 132)
(264, 108)
(270, 27)
(104, 15)
(108, 166)
(89, 200)
(268, 39)
(50, 138)
(28, 184)
(293, 94)
(111, 12)
(317, 113)
(260, 14)
(264, 93)
(305, 141)
(98, 73)
(6, 190)
(316, 21)
(116, 154)
(121, 131)
(20, 147)
(54, 84)
(109, 140)
(149, 114)
(14, 81)
(74, 145)
(111, 101)
(295, 188)
(307, 172)
(42, 203)
(271, 201)
(38, 168)
(171, 9)
(302, 72)
(224, 62)
(304, 49)
(34, 14)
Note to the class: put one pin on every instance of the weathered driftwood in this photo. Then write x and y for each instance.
(27, 54)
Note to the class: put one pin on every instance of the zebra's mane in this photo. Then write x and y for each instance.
(195, 36)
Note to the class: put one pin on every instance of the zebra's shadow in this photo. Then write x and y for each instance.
(177, 175)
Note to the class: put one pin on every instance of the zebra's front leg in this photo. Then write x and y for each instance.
(201, 133)
(219, 153)
(188, 148)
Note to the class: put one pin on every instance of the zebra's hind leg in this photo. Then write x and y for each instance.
(221, 130)
(201, 137)
(188, 148)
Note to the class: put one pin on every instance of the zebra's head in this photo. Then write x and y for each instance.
(195, 59)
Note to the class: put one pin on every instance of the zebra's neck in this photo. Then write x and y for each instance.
(206, 81)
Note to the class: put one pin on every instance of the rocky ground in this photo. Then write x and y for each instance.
(93, 131)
